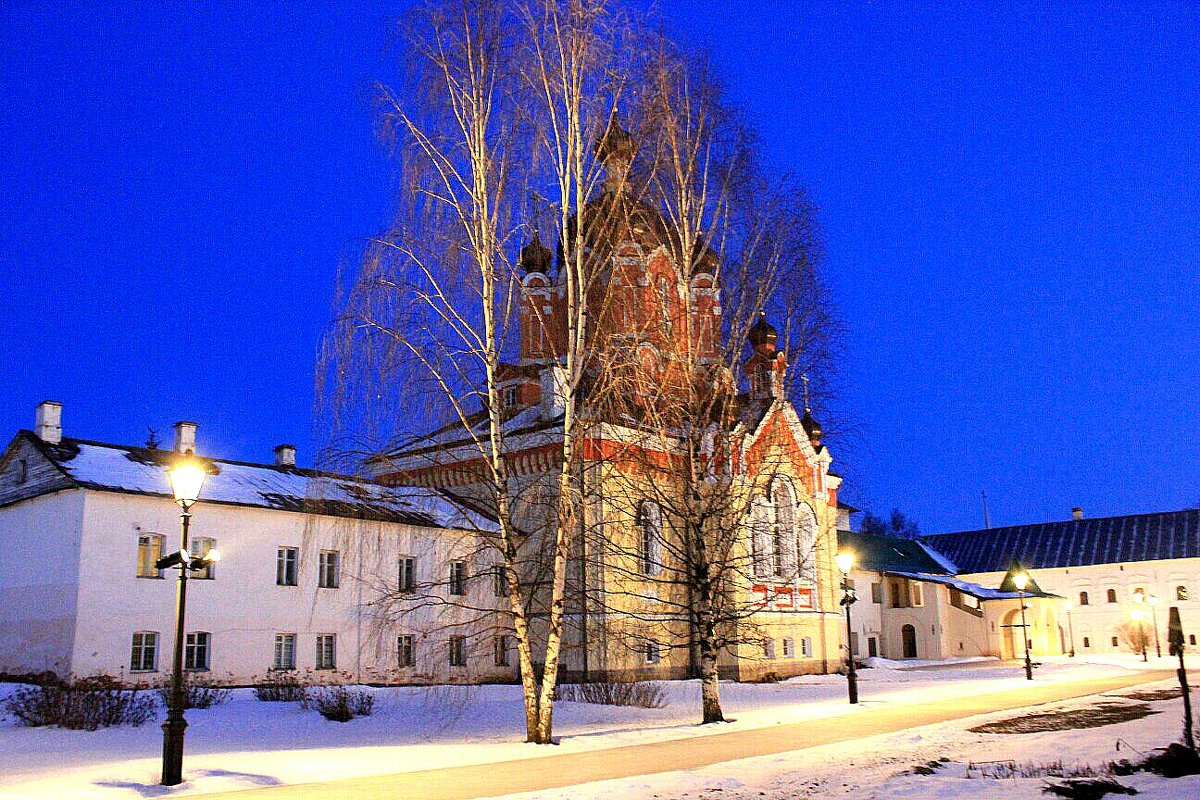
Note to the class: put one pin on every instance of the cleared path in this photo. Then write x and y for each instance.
(556, 771)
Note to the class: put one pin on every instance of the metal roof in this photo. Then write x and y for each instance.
(888, 553)
(1074, 543)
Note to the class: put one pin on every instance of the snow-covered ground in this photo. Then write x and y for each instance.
(247, 743)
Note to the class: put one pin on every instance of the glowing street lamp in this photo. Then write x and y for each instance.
(1067, 606)
(845, 563)
(1021, 580)
(187, 479)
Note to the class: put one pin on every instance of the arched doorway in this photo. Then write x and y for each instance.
(1008, 639)
(908, 635)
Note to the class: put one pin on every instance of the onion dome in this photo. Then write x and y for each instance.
(535, 256)
(763, 335)
(615, 144)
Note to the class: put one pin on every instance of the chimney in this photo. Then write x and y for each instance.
(185, 437)
(1076, 513)
(48, 422)
(285, 455)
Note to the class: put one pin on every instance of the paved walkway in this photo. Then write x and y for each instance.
(554, 771)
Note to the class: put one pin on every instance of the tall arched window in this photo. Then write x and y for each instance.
(783, 542)
(1083, 598)
(650, 538)
(806, 542)
(760, 539)
(1112, 595)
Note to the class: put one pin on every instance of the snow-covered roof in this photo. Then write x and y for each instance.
(141, 470)
(966, 587)
(1074, 542)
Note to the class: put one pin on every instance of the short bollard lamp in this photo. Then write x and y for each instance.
(1020, 581)
(187, 478)
(845, 563)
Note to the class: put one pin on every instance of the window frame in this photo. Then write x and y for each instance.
(1181, 593)
(1084, 598)
(285, 644)
(326, 652)
(500, 650)
(141, 648)
(329, 569)
(406, 575)
(199, 547)
(145, 564)
(457, 647)
(195, 646)
(652, 652)
(406, 656)
(287, 563)
(458, 578)
(1111, 595)
(650, 538)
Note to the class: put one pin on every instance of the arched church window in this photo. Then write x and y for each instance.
(806, 540)
(760, 540)
(783, 543)
(650, 538)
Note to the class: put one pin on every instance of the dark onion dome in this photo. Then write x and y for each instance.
(615, 144)
(535, 256)
(811, 427)
(763, 333)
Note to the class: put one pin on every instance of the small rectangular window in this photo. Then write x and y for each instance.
(199, 549)
(404, 650)
(768, 646)
(326, 651)
(287, 560)
(22, 471)
(407, 581)
(917, 594)
(789, 648)
(150, 547)
(458, 651)
(1114, 642)
(1087, 642)
(877, 593)
(1181, 593)
(458, 577)
(144, 655)
(500, 645)
(499, 581)
(806, 647)
(509, 397)
(653, 653)
(327, 569)
(285, 651)
(196, 651)
(899, 600)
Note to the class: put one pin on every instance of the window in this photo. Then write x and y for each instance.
(458, 577)
(499, 581)
(404, 650)
(1114, 642)
(509, 397)
(652, 653)
(144, 657)
(1181, 593)
(650, 543)
(1087, 642)
(285, 651)
(407, 581)
(806, 538)
(287, 560)
(916, 594)
(899, 600)
(789, 648)
(196, 650)
(784, 543)
(199, 549)
(326, 651)
(1083, 598)
(760, 540)
(876, 593)
(150, 547)
(500, 646)
(458, 651)
(1191, 638)
(327, 569)
(768, 648)
(22, 470)
(1112, 595)
(806, 647)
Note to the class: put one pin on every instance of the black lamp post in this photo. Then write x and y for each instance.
(845, 562)
(1153, 601)
(187, 477)
(1021, 580)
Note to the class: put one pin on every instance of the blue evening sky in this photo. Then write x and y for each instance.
(1010, 195)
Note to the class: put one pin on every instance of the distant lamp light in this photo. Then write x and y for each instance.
(845, 561)
(1139, 595)
(1067, 605)
(1152, 599)
(1020, 580)
(187, 478)
(1138, 615)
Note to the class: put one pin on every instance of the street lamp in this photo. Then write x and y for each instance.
(187, 478)
(1067, 606)
(1139, 617)
(845, 562)
(1021, 580)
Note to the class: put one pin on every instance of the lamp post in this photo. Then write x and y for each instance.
(1021, 580)
(187, 478)
(1139, 617)
(1144, 608)
(1153, 601)
(845, 562)
(1067, 605)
